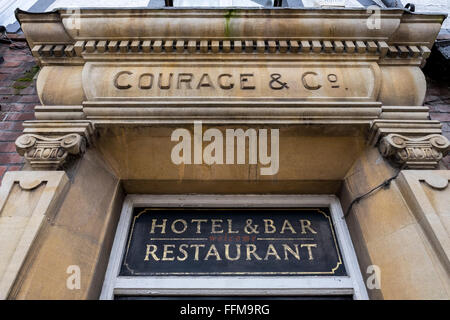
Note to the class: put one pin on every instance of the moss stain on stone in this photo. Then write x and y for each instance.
(230, 13)
(25, 80)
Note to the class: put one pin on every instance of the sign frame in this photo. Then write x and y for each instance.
(352, 284)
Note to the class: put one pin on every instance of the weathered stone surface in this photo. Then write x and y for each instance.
(99, 71)
(79, 234)
(191, 83)
(391, 228)
(428, 196)
(27, 199)
(326, 92)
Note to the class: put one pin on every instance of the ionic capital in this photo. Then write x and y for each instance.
(49, 153)
(414, 152)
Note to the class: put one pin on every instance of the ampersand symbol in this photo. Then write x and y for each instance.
(249, 228)
(279, 84)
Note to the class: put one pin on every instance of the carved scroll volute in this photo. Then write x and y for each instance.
(415, 153)
(49, 153)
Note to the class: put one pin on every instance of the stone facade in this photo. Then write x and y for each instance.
(17, 105)
(109, 101)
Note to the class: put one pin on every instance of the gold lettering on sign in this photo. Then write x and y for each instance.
(230, 226)
(196, 246)
(287, 225)
(251, 250)
(162, 226)
(151, 249)
(309, 246)
(227, 252)
(182, 222)
(215, 224)
(218, 241)
(171, 252)
(199, 221)
(213, 252)
(306, 224)
(268, 223)
(183, 251)
(287, 249)
(271, 252)
(250, 227)
(166, 251)
(220, 226)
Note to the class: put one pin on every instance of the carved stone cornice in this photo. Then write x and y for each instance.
(191, 23)
(78, 33)
(49, 153)
(414, 152)
(302, 48)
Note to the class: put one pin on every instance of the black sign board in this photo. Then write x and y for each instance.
(227, 242)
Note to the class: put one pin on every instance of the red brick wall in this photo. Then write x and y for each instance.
(438, 100)
(17, 105)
